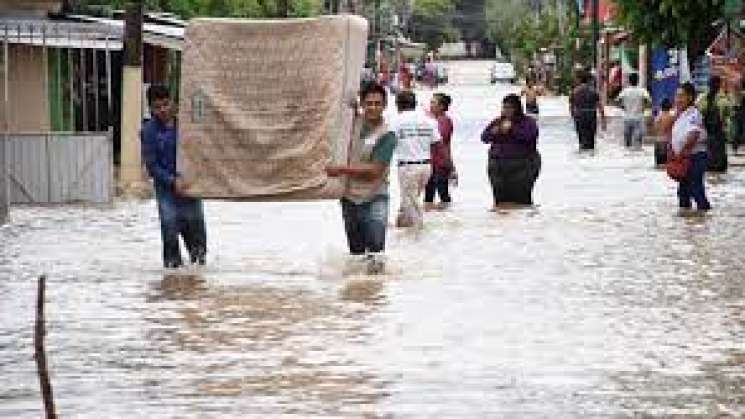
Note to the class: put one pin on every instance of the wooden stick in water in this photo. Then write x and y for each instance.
(40, 354)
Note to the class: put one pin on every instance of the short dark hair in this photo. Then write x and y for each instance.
(689, 89)
(634, 79)
(444, 100)
(514, 100)
(585, 76)
(715, 83)
(406, 101)
(666, 104)
(373, 88)
(157, 92)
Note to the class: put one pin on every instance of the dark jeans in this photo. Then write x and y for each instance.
(717, 156)
(181, 217)
(587, 126)
(512, 180)
(439, 183)
(693, 185)
(660, 152)
(365, 224)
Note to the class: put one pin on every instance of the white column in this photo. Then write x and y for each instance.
(131, 176)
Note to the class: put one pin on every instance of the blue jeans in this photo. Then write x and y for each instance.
(365, 224)
(693, 185)
(181, 217)
(633, 132)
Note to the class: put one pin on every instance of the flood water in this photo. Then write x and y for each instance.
(598, 302)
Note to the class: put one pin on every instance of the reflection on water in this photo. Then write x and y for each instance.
(598, 302)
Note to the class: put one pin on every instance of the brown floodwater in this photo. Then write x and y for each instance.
(598, 302)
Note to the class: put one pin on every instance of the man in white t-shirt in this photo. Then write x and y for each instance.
(634, 99)
(416, 134)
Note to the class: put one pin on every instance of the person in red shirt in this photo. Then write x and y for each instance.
(615, 84)
(405, 77)
(442, 162)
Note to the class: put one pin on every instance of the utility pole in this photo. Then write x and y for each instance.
(595, 35)
(131, 179)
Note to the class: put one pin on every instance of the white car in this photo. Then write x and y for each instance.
(503, 72)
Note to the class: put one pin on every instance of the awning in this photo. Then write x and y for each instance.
(166, 36)
(59, 34)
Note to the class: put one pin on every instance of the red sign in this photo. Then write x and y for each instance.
(608, 10)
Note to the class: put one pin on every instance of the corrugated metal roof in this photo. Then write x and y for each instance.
(85, 32)
(171, 37)
(60, 34)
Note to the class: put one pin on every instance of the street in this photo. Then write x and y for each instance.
(598, 302)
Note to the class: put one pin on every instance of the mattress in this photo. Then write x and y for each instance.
(264, 106)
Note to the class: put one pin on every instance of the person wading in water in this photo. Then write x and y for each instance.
(531, 92)
(514, 161)
(365, 202)
(442, 157)
(584, 105)
(689, 142)
(418, 138)
(716, 108)
(179, 214)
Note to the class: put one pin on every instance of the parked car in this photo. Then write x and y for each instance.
(503, 72)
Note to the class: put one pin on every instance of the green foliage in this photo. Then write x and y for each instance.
(433, 22)
(518, 30)
(670, 22)
(521, 29)
(217, 8)
(469, 19)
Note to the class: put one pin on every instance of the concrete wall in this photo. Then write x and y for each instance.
(29, 108)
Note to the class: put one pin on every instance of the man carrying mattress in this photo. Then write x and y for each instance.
(365, 204)
(179, 214)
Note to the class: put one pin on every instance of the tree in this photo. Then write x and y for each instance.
(470, 19)
(432, 22)
(221, 8)
(672, 23)
(521, 27)
(503, 20)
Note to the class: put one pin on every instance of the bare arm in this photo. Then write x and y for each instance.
(571, 103)
(364, 171)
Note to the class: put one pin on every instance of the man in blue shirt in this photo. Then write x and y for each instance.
(179, 214)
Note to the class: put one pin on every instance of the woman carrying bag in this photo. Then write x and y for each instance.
(688, 153)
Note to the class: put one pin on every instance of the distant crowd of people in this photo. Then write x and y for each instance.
(692, 129)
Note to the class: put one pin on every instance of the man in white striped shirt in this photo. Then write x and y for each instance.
(417, 134)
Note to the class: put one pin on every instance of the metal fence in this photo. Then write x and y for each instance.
(56, 79)
(57, 168)
(4, 198)
(71, 62)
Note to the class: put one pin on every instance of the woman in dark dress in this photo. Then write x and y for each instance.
(514, 161)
